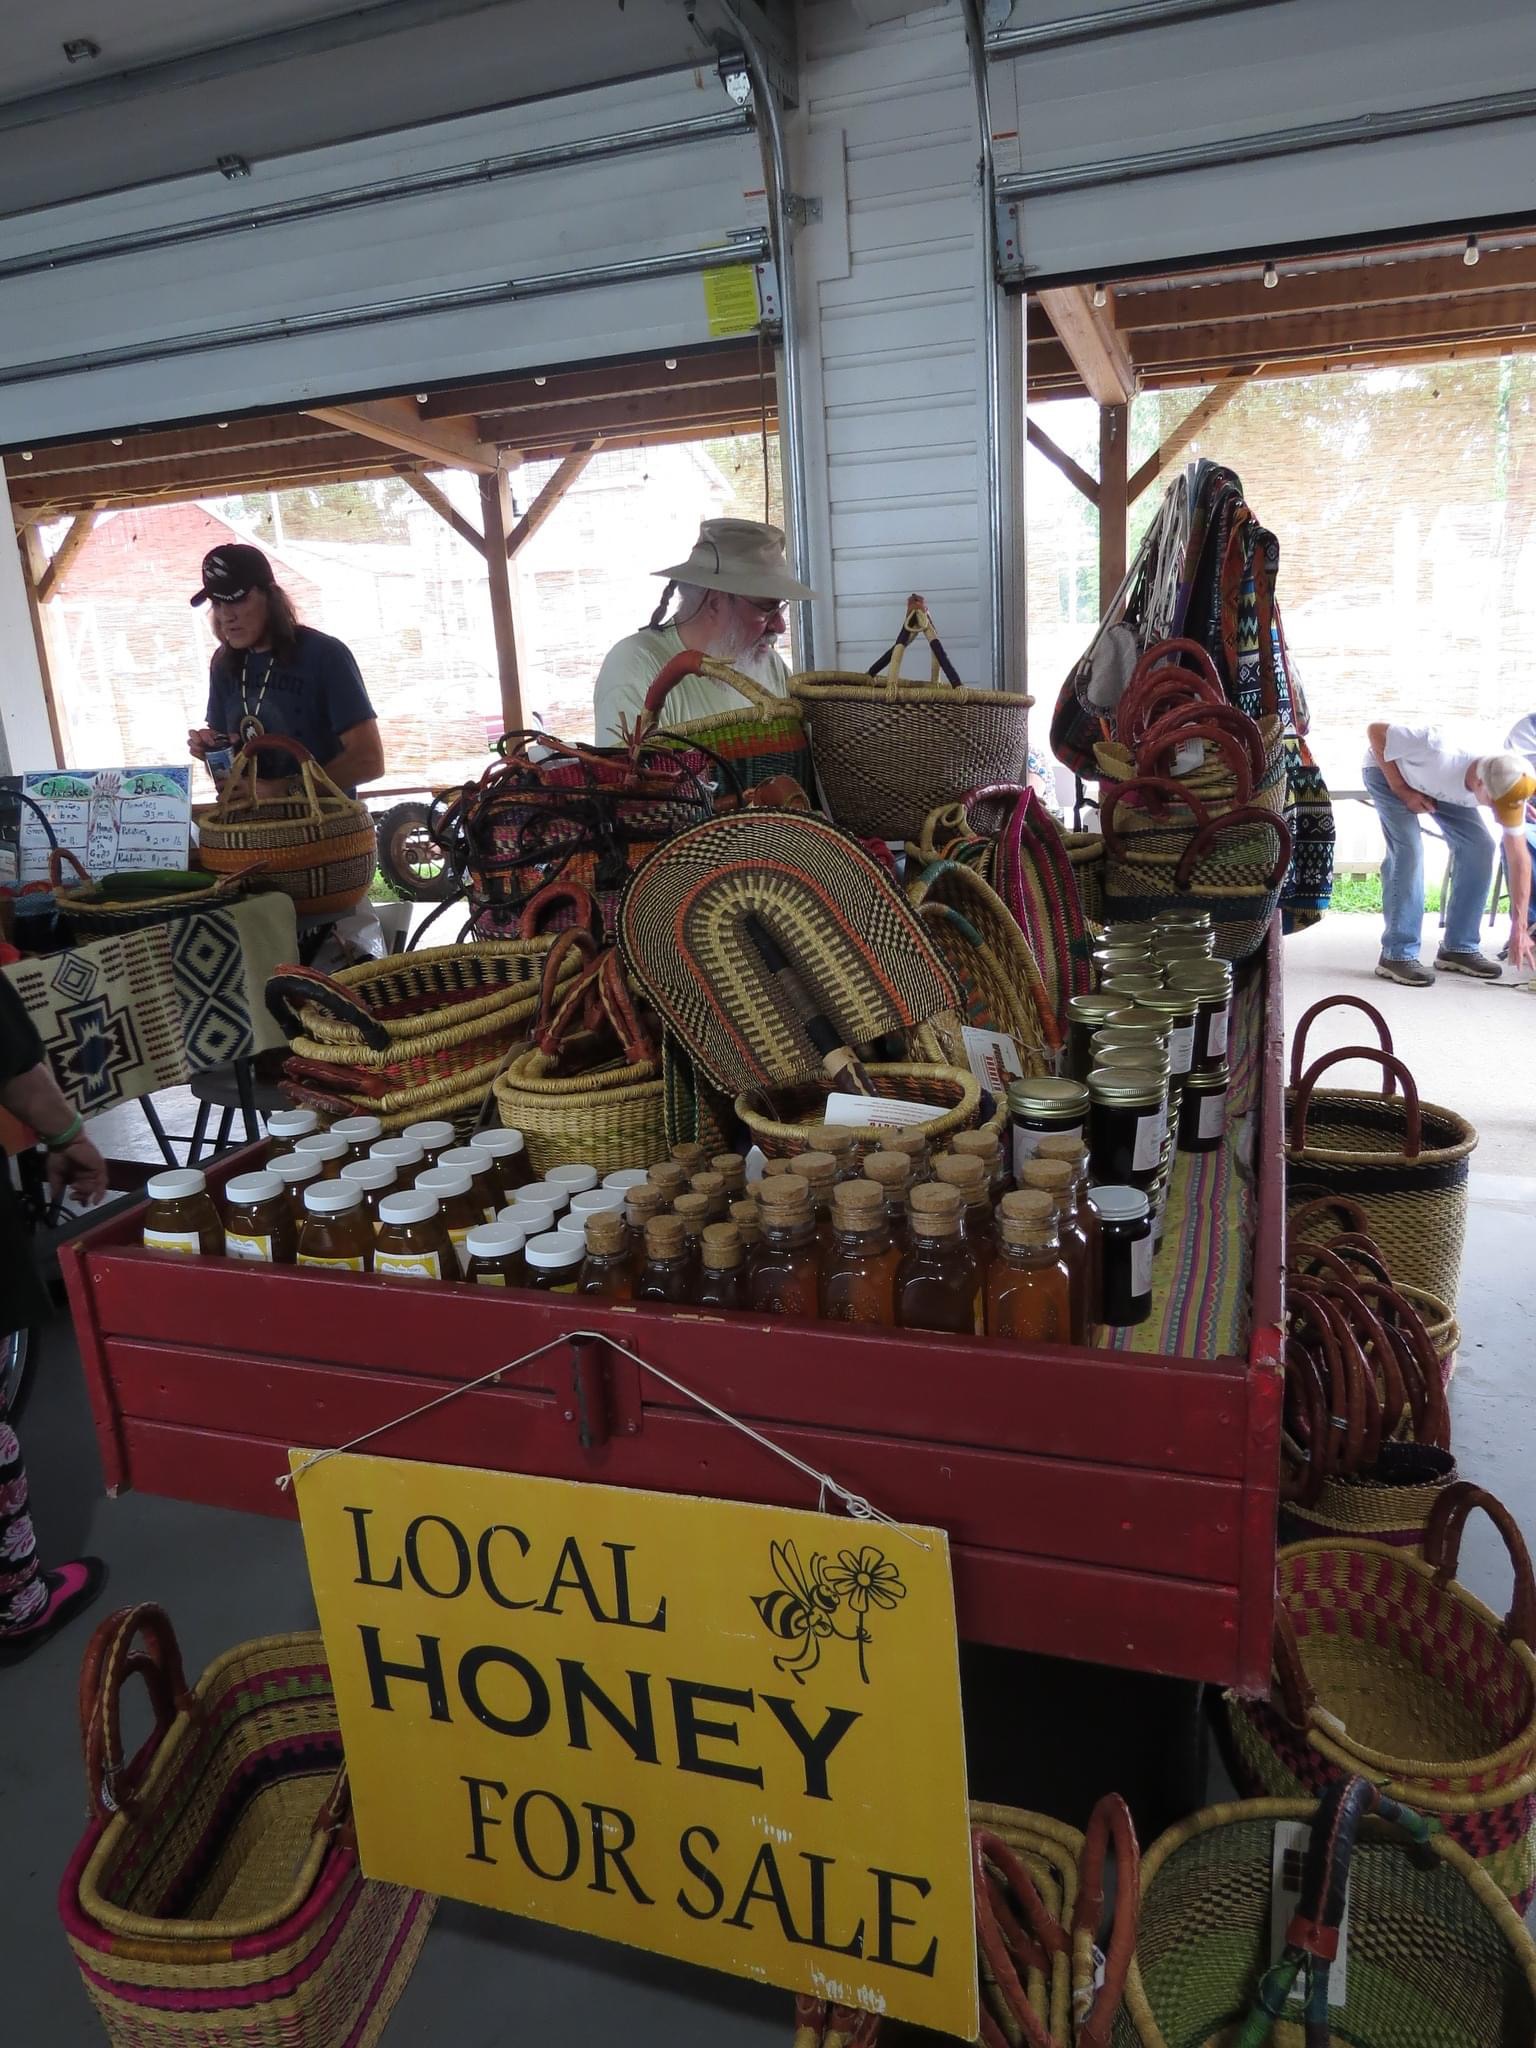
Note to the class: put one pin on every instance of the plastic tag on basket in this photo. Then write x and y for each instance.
(1289, 1858)
(880, 1112)
(993, 1057)
(1189, 757)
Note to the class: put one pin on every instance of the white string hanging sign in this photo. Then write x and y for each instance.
(854, 1504)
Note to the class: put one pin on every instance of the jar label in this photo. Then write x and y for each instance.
(173, 1241)
(1216, 1038)
(1026, 1141)
(1141, 1265)
(1181, 1048)
(490, 1279)
(424, 1265)
(354, 1265)
(1213, 1114)
(1149, 1141)
(237, 1246)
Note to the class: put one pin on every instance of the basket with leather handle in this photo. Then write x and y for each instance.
(588, 1088)
(1138, 787)
(1386, 1666)
(1033, 871)
(762, 738)
(1233, 866)
(1437, 1956)
(887, 751)
(989, 957)
(216, 1896)
(316, 844)
(131, 902)
(1403, 1162)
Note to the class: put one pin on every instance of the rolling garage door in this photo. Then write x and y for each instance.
(1144, 132)
(612, 220)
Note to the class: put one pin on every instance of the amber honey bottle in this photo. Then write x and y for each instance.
(1058, 1179)
(892, 1172)
(956, 1170)
(858, 1277)
(1029, 1290)
(748, 1220)
(333, 1153)
(412, 1241)
(640, 1205)
(938, 1284)
(987, 1147)
(916, 1148)
(694, 1210)
(671, 1177)
(786, 1274)
(510, 1155)
(732, 1169)
(712, 1187)
(846, 1148)
(694, 1158)
(722, 1268)
(819, 1172)
(606, 1272)
(337, 1232)
(665, 1275)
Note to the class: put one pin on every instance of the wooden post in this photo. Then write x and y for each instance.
(496, 510)
(1114, 434)
(34, 566)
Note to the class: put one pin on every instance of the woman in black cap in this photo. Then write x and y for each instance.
(272, 675)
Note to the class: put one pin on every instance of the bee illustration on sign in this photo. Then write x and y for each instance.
(805, 1607)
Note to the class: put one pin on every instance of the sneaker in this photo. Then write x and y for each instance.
(70, 1588)
(1411, 973)
(1476, 964)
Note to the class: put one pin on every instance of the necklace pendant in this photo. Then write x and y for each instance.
(251, 728)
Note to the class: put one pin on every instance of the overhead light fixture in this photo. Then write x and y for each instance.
(80, 50)
(1271, 277)
(26, 454)
(421, 398)
(671, 362)
(1471, 253)
(222, 425)
(1100, 297)
(541, 382)
(117, 440)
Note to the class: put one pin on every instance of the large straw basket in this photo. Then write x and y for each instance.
(989, 957)
(1402, 1161)
(216, 1900)
(1233, 866)
(129, 903)
(412, 1003)
(762, 737)
(1437, 1956)
(316, 844)
(801, 1118)
(887, 751)
(1385, 1666)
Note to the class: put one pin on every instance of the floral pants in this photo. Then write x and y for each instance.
(22, 1591)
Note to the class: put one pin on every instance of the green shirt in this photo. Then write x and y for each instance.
(632, 665)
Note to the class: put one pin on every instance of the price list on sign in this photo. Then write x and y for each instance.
(113, 820)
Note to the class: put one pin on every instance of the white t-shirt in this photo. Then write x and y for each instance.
(1426, 763)
(633, 664)
(1522, 738)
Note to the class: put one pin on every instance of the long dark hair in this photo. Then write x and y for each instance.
(282, 628)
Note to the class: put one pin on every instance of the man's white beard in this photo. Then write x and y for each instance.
(758, 663)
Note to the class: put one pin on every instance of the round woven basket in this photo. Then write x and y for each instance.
(989, 957)
(316, 845)
(957, 1091)
(611, 1118)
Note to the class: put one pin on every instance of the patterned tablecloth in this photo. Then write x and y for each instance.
(122, 1017)
(1202, 1276)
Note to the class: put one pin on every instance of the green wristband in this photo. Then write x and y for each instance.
(62, 1140)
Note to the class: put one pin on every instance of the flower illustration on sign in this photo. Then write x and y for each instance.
(805, 1607)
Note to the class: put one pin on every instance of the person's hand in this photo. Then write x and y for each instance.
(202, 738)
(1521, 952)
(1416, 800)
(80, 1167)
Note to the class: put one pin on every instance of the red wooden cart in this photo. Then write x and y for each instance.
(1105, 1506)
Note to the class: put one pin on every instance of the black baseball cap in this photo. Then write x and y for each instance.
(230, 573)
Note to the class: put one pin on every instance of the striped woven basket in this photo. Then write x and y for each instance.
(762, 738)
(1386, 1667)
(802, 1110)
(411, 1004)
(216, 1900)
(317, 846)
(96, 911)
(989, 958)
(461, 1104)
(405, 1083)
(1437, 1956)
(1085, 850)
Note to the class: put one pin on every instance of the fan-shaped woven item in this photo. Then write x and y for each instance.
(851, 938)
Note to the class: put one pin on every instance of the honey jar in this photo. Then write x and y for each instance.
(413, 1241)
(507, 1148)
(337, 1232)
(181, 1216)
(258, 1220)
(496, 1255)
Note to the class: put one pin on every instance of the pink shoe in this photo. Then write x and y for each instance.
(70, 1588)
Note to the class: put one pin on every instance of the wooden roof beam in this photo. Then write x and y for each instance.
(1087, 332)
(1482, 318)
(57, 569)
(398, 424)
(550, 495)
(1197, 418)
(445, 509)
(714, 366)
(1345, 288)
(1074, 472)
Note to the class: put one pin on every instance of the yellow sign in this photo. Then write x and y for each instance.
(730, 300)
(730, 1734)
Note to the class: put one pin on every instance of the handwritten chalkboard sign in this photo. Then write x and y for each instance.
(113, 820)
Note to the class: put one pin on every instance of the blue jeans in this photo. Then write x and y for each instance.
(1402, 872)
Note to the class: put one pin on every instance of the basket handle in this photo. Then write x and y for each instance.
(692, 663)
(1162, 651)
(1172, 732)
(1162, 785)
(917, 621)
(1425, 1389)
(243, 769)
(1000, 1934)
(1401, 1392)
(1351, 1386)
(56, 858)
(1305, 1382)
(1109, 1825)
(1203, 722)
(1331, 1259)
(112, 1657)
(1442, 1551)
(1297, 1694)
(1391, 1065)
(551, 995)
(589, 918)
(1168, 690)
(1203, 839)
(1304, 1025)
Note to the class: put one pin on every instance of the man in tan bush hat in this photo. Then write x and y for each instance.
(731, 593)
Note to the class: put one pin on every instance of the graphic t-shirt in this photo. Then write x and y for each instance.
(314, 698)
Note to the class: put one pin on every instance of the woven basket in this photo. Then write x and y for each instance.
(1437, 1956)
(988, 956)
(1034, 874)
(317, 845)
(96, 913)
(411, 1004)
(460, 1104)
(1404, 1163)
(1085, 850)
(1400, 1674)
(1443, 1328)
(216, 1898)
(762, 739)
(1232, 866)
(887, 751)
(802, 1116)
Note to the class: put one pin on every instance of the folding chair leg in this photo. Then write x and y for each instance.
(226, 1125)
(152, 1118)
(245, 1081)
(199, 1133)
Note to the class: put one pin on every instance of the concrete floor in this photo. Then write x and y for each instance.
(225, 1577)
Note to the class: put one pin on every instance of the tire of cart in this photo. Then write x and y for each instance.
(410, 860)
